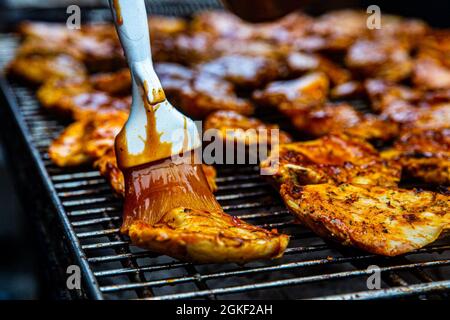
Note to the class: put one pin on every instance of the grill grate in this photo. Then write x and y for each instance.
(113, 269)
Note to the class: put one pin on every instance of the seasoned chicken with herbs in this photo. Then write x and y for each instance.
(332, 159)
(424, 154)
(382, 220)
(342, 117)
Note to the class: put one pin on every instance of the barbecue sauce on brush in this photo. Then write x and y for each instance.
(152, 189)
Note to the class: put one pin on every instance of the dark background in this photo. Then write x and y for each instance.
(19, 275)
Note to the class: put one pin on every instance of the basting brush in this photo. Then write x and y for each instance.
(156, 149)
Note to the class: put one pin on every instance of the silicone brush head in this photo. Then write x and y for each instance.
(153, 189)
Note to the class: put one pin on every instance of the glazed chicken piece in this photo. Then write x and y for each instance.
(342, 117)
(415, 116)
(221, 24)
(411, 108)
(232, 126)
(332, 159)
(37, 69)
(107, 166)
(201, 47)
(382, 220)
(97, 46)
(432, 67)
(78, 99)
(348, 90)
(380, 58)
(299, 63)
(164, 25)
(304, 93)
(198, 94)
(383, 93)
(206, 237)
(423, 154)
(68, 150)
(243, 71)
(430, 73)
(114, 83)
(86, 140)
(335, 31)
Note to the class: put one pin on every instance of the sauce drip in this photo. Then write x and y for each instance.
(119, 18)
(154, 148)
(151, 190)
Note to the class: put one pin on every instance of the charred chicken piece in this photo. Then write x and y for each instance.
(342, 117)
(304, 93)
(207, 237)
(332, 159)
(232, 126)
(382, 220)
(423, 154)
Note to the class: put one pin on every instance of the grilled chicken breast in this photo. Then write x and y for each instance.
(206, 237)
(424, 154)
(332, 159)
(382, 220)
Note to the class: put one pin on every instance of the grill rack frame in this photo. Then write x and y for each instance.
(36, 128)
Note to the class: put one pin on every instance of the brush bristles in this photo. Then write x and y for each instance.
(154, 189)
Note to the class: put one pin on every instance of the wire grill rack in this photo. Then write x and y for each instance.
(113, 269)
